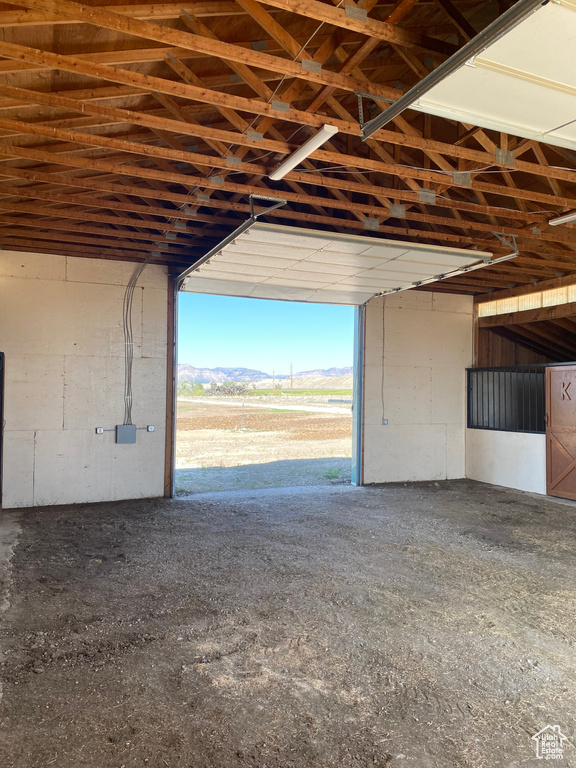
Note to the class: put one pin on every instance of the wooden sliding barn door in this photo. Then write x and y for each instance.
(561, 431)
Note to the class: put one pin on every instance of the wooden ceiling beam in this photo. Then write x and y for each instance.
(381, 30)
(189, 181)
(82, 251)
(460, 22)
(528, 316)
(542, 334)
(545, 285)
(270, 26)
(146, 11)
(567, 323)
(155, 54)
(212, 183)
(296, 215)
(152, 84)
(525, 339)
(548, 331)
(72, 213)
(74, 181)
(412, 140)
(99, 242)
(197, 27)
(196, 158)
(199, 44)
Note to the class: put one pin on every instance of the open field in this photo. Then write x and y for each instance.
(218, 448)
(306, 392)
(311, 382)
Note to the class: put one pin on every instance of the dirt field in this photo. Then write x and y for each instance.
(429, 625)
(276, 448)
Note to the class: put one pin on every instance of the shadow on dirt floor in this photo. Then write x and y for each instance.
(273, 474)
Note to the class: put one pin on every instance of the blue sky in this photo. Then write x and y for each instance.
(265, 335)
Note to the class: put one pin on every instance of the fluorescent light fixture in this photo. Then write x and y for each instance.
(305, 151)
(563, 219)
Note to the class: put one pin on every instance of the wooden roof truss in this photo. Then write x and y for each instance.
(136, 130)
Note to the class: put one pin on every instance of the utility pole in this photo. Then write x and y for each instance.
(290, 379)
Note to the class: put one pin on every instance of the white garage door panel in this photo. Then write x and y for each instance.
(314, 268)
(244, 271)
(257, 261)
(269, 261)
(524, 84)
(282, 293)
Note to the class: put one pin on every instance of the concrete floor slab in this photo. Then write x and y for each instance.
(428, 625)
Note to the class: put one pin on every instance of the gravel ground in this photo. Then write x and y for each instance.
(428, 625)
(276, 448)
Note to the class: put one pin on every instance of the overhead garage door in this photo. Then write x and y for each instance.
(523, 84)
(269, 261)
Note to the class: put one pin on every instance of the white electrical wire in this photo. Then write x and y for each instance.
(129, 338)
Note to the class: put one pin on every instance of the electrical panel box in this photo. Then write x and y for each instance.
(126, 433)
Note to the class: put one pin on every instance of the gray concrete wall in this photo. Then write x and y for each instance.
(61, 331)
(418, 345)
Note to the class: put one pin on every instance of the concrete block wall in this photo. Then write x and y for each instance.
(418, 345)
(61, 332)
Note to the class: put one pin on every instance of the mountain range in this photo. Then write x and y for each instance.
(188, 372)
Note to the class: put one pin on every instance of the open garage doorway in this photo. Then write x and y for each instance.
(265, 394)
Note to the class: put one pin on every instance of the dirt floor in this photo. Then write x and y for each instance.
(429, 625)
(219, 449)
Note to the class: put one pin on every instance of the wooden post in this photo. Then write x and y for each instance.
(171, 350)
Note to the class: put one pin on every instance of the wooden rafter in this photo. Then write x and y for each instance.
(157, 135)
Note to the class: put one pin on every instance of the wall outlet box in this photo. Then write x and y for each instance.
(126, 433)
(384, 422)
(99, 430)
(150, 428)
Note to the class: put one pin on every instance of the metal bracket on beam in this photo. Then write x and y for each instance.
(371, 223)
(427, 196)
(361, 95)
(510, 243)
(462, 178)
(309, 65)
(397, 211)
(505, 157)
(254, 136)
(278, 204)
(353, 12)
(280, 106)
